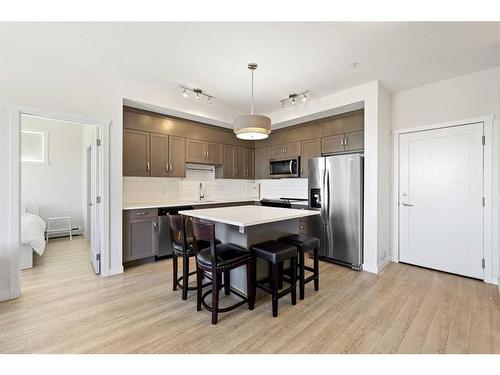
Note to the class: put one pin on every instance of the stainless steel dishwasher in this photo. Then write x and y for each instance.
(164, 240)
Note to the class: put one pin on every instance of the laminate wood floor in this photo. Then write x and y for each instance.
(65, 308)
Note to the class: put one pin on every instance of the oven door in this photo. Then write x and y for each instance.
(284, 168)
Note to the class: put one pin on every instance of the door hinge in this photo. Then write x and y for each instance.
(98, 199)
(98, 142)
(484, 140)
(483, 263)
(484, 202)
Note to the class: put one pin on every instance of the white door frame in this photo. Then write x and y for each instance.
(490, 252)
(14, 175)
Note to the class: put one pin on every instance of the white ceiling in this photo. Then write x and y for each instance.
(291, 56)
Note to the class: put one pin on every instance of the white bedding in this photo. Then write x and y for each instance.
(32, 232)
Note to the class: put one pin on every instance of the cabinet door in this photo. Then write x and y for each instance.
(240, 162)
(135, 153)
(195, 151)
(310, 149)
(177, 156)
(249, 163)
(304, 225)
(292, 149)
(278, 152)
(332, 144)
(141, 238)
(213, 153)
(159, 155)
(354, 141)
(228, 165)
(262, 156)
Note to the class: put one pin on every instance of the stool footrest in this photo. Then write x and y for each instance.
(244, 300)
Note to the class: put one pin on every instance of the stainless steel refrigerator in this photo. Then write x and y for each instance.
(336, 189)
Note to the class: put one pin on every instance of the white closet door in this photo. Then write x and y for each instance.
(440, 199)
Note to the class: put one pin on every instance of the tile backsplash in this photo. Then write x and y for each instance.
(283, 188)
(163, 189)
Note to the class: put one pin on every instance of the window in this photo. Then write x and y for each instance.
(34, 147)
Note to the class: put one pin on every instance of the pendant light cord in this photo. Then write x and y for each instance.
(252, 91)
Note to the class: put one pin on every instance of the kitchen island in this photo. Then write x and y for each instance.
(248, 225)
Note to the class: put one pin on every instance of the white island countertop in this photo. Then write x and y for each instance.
(245, 216)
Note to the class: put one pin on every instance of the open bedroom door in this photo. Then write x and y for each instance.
(95, 202)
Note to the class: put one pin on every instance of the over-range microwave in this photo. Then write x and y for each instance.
(289, 167)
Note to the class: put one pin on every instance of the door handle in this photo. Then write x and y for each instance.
(407, 204)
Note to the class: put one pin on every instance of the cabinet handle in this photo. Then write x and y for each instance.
(155, 226)
(342, 141)
(345, 141)
(166, 168)
(171, 168)
(148, 166)
(141, 213)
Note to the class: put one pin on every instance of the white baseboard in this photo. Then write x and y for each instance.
(384, 264)
(491, 280)
(4, 296)
(115, 271)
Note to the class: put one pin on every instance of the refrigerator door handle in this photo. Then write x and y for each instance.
(328, 193)
(324, 198)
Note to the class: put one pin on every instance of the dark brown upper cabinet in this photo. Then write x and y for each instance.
(153, 155)
(203, 152)
(136, 160)
(291, 149)
(310, 149)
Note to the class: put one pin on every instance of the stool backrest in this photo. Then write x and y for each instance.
(204, 233)
(177, 230)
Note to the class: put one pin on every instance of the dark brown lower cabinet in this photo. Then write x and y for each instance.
(140, 234)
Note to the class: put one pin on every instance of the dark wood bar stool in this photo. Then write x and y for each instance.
(304, 244)
(276, 253)
(182, 246)
(218, 260)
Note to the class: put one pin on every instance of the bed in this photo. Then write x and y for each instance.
(32, 236)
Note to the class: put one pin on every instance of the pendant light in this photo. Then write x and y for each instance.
(252, 127)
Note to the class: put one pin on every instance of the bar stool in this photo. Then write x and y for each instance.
(276, 253)
(182, 246)
(219, 260)
(304, 244)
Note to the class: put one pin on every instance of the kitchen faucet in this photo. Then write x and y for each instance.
(201, 192)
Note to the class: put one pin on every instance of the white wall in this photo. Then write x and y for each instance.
(460, 98)
(57, 187)
(30, 81)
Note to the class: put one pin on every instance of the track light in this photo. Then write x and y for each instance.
(198, 93)
(292, 98)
